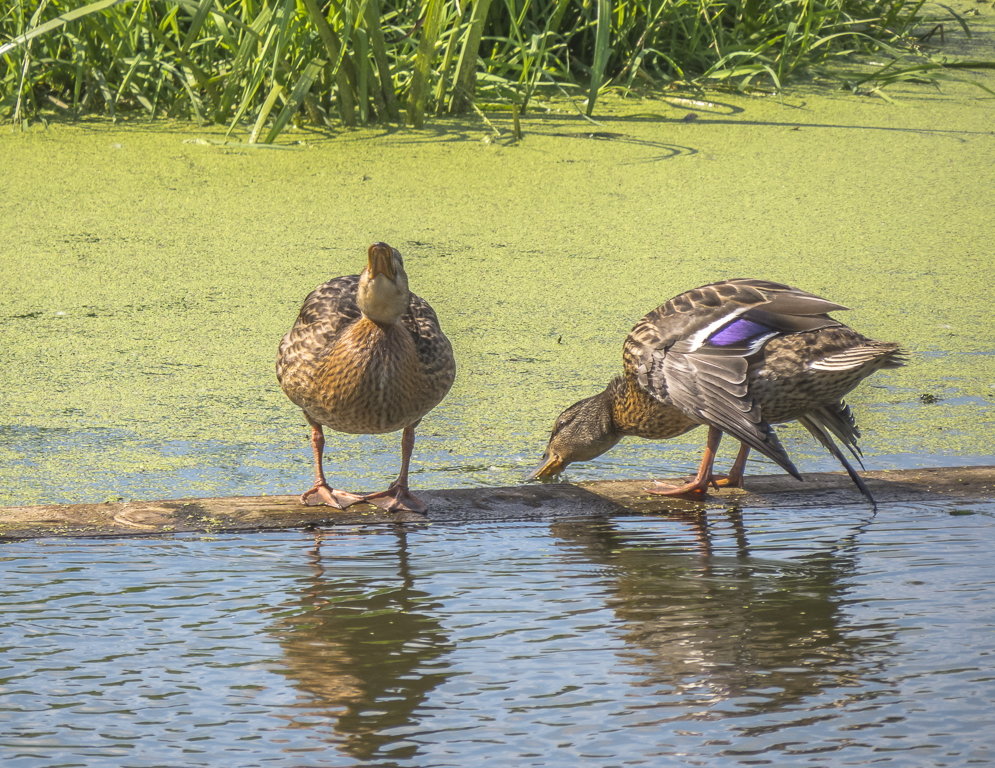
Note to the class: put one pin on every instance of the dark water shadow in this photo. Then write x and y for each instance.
(699, 112)
(667, 151)
(724, 629)
(454, 129)
(707, 121)
(724, 114)
(361, 649)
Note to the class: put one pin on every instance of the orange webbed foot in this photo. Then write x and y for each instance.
(694, 489)
(322, 493)
(397, 498)
(726, 481)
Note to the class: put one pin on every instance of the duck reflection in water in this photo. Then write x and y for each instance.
(361, 646)
(712, 624)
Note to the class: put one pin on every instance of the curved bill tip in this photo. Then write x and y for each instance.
(548, 470)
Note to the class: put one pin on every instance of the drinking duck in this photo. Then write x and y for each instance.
(737, 356)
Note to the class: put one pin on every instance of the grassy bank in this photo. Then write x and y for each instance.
(260, 64)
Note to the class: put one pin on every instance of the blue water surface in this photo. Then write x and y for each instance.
(789, 637)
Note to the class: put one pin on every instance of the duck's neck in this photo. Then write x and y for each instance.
(381, 299)
(599, 412)
(591, 429)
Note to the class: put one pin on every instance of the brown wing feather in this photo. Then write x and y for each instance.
(327, 311)
(668, 354)
(779, 306)
(434, 350)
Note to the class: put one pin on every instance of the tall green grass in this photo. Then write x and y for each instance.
(260, 64)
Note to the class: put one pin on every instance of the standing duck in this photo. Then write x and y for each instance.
(737, 356)
(366, 356)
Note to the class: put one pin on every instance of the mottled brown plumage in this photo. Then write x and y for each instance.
(738, 356)
(636, 413)
(366, 356)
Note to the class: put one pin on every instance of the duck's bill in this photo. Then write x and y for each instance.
(381, 260)
(549, 469)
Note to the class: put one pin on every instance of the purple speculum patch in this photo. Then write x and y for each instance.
(737, 332)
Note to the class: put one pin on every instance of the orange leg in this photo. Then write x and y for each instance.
(701, 481)
(735, 477)
(321, 492)
(397, 498)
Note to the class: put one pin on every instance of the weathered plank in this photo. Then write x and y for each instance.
(822, 489)
(526, 502)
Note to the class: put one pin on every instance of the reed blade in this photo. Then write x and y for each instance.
(602, 39)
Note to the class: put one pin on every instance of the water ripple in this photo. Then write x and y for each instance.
(790, 637)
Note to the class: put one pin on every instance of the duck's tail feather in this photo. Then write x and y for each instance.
(820, 431)
(839, 420)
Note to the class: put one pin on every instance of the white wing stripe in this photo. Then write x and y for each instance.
(698, 338)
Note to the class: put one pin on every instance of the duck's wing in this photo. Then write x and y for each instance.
(694, 351)
(327, 311)
(711, 310)
(434, 349)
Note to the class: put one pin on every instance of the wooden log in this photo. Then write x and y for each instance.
(952, 485)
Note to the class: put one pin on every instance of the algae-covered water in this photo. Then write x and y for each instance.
(148, 272)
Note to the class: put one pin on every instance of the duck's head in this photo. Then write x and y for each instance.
(383, 286)
(582, 432)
